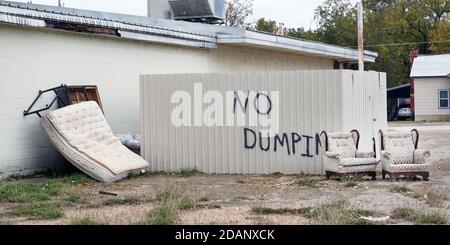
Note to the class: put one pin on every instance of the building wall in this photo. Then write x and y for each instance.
(307, 103)
(427, 99)
(32, 59)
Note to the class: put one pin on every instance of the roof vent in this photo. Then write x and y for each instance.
(206, 11)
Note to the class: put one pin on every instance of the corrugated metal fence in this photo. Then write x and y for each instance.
(307, 102)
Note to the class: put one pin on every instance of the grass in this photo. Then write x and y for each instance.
(187, 203)
(188, 172)
(44, 199)
(166, 213)
(432, 217)
(404, 213)
(280, 211)
(435, 198)
(351, 183)
(86, 221)
(307, 182)
(121, 201)
(339, 213)
(29, 192)
(400, 188)
(39, 211)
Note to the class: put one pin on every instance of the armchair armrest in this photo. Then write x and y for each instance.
(332, 155)
(365, 154)
(386, 155)
(420, 156)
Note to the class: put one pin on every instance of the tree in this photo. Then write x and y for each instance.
(392, 28)
(336, 21)
(300, 33)
(266, 25)
(440, 38)
(237, 12)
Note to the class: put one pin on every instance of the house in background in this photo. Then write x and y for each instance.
(431, 78)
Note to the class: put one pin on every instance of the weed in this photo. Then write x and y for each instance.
(187, 203)
(307, 182)
(423, 218)
(121, 201)
(401, 188)
(86, 221)
(339, 213)
(431, 218)
(39, 211)
(188, 172)
(15, 192)
(435, 198)
(403, 213)
(350, 183)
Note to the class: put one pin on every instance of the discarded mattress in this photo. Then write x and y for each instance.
(82, 135)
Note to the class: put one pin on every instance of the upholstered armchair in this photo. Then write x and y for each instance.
(400, 155)
(343, 159)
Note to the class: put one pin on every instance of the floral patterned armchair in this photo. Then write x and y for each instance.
(343, 159)
(400, 155)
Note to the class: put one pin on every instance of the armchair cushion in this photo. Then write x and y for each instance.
(400, 146)
(348, 162)
(407, 168)
(420, 156)
(365, 154)
(342, 144)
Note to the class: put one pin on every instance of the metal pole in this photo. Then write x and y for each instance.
(360, 36)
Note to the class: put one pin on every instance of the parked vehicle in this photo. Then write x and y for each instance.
(404, 113)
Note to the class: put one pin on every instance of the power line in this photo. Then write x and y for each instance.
(402, 44)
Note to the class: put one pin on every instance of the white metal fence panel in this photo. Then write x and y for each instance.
(365, 105)
(307, 103)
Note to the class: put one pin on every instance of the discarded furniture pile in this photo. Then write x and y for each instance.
(400, 156)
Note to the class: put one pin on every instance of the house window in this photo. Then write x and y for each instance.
(444, 99)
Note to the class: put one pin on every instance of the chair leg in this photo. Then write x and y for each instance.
(374, 175)
(426, 177)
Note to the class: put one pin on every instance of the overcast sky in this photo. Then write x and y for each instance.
(294, 13)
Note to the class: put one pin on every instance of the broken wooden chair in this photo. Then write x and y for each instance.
(343, 159)
(400, 156)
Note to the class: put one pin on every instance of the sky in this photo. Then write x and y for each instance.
(293, 13)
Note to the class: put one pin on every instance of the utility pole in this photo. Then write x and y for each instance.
(360, 36)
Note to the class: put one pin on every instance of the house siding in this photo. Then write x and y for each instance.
(33, 59)
(427, 99)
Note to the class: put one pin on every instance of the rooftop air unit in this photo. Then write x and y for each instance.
(205, 11)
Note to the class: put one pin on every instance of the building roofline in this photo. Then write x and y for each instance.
(170, 31)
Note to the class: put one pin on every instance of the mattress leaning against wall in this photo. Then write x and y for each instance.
(82, 135)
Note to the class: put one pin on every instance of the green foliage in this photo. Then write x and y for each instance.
(86, 221)
(188, 172)
(121, 201)
(402, 188)
(266, 25)
(404, 213)
(432, 217)
(339, 213)
(47, 210)
(307, 182)
(350, 183)
(17, 192)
